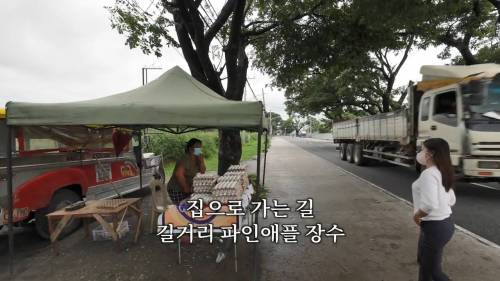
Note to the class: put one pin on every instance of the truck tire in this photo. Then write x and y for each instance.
(350, 153)
(343, 151)
(61, 198)
(358, 155)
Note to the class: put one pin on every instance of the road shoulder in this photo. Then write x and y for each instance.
(381, 237)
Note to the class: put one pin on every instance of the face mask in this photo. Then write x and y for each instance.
(421, 158)
(197, 151)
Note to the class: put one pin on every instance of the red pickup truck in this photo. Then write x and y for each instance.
(54, 168)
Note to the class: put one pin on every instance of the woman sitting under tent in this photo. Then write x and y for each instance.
(180, 185)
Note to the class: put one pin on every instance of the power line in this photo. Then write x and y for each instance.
(149, 6)
(210, 19)
(211, 6)
(253, 93)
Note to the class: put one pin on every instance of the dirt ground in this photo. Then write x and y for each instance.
(380, 242)
(84, 259)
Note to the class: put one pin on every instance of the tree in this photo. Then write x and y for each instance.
(276, 122)
(325, 126)
(465, 25)
(341, 60)
(337, 60)
(213, 43)
(315, 125)
(287, 126)
(298, 122)
(486, 54)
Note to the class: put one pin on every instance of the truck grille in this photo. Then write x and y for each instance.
(488, 164)
(485, 148)
(489, 149)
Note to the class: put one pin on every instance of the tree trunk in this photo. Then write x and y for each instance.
(467, 55)
(386, 103)
(229, 149)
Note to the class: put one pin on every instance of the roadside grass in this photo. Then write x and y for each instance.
(248, 152)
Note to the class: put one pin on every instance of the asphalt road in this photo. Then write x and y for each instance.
(477, 208)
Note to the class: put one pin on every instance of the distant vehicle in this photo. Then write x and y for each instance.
(49, 174)
(460, 104)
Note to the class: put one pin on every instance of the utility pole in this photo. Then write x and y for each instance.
(310, 125)
(271, 123)
(270, 116)
(333, 137)
(145, 74)
(263, 98)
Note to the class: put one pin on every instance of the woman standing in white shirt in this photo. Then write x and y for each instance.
(433, 197)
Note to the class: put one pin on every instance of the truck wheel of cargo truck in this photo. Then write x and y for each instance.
(343, 151)
(61, 199)
(358, 155)
(350, 153)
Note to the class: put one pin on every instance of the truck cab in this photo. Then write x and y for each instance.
(467, 115)
(460, 104)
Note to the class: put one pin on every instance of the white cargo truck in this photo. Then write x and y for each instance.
(460, 104)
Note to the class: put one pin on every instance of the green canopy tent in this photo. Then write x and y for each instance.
(175, 99)
(174, 102)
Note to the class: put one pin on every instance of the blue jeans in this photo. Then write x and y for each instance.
(434, 235)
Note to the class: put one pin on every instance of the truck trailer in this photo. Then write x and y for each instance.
(460, 104)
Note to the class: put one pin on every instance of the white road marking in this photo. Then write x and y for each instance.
(465, 231)
(485, 186)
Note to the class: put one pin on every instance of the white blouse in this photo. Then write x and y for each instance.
(430, 196)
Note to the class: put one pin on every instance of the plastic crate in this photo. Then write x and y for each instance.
(152, 162)
(100, 234)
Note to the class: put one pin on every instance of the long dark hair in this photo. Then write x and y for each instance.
(440, 151)
(191, 143)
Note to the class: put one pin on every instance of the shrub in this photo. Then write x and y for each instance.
(172, 146)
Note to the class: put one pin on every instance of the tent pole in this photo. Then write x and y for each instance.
(9, 198)
(259, 148)
(143, 83)
(140, 158)
(265, 160)
(256, 214)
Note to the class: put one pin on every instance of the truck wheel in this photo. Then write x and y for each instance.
(343, 151)
(358, 155)
(350, 153)
(61, 199)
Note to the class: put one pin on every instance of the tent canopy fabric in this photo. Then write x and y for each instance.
(175, 99)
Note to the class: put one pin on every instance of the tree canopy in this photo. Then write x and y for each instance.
(338, 57)
(213, 42)
(343, 59)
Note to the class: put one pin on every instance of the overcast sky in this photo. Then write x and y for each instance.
(62, 50)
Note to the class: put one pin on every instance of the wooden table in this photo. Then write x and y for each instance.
(92, 211)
